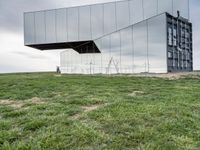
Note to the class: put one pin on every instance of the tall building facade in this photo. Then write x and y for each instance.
(130, 36)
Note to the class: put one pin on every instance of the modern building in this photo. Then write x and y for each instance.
(130, 36)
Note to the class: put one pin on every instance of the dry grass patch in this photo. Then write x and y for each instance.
(87, 109)
(58, 75)
(176, 76)
(183, 87)
(12, 103)
(36, 100)
(136, 93)
(170, 76)
(90, 108)
(19, 103)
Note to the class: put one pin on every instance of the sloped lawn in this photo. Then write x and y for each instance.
(48, 111)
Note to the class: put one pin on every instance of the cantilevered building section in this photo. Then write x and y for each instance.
(130, 36)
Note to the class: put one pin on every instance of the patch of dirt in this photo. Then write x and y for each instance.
(12, 103)
(90, 108)
(136, 93)
(183, 87)
(172, 76)
(87, 109)
(57, 75)
(19, 103)
(36, 100)
(56, 94)
(75, 117)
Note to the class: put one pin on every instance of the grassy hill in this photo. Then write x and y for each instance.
(48, 111)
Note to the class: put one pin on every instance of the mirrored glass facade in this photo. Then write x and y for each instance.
(130, 36)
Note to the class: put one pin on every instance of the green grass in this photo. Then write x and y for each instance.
(130, 112)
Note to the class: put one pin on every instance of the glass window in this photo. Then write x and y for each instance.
(73, 28)
(61, 25)
(50, 26)
(140, 47)
(109, 18)
(97, 20)
(85, 22)
(150, 8)
(157, 50)
(127, 50)
(29, 28)
(174, 37)
(169, 54)
(123, 19)
(170, 36)
(40, 27)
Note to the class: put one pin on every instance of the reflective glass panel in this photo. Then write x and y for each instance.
(123, 18)
(88, 63)
(73, 26)
(140, 47)
(84, 60)
(85, 22)
(150, 8)
(127, 50)
(63, 63)
(29, 28)
(157, 44)
(40, 27)
(82, 66)
(97, 20)
(61, 25)
(98, 61)
(109, 18)
(50, 26)
(114, 64)
(78, 63)
(74, 61)
(66, 61)
(136, 11)
(165, 6)
(182, 6)
(105, 53)
(91, 63)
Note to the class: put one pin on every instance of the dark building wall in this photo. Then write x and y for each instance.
(179, 44)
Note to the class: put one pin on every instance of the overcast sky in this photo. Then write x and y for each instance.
(15, 57)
